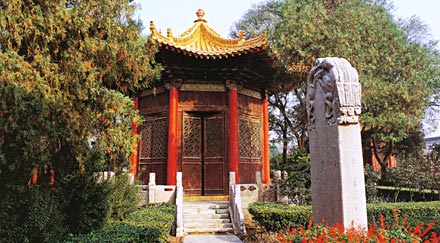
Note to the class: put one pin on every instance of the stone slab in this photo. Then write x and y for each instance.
(211, 239)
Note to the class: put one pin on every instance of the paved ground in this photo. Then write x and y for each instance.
(211, 239)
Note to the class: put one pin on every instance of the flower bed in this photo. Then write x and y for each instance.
(277, 217)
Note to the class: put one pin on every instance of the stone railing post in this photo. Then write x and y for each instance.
(237, 217)
(179, 205)
(151, 187)
(333, 107)
(259, 181)
(277, 179)
(231, 178)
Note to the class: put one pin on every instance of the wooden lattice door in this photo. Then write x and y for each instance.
(203, 154)
(249, 149)
(153, 148)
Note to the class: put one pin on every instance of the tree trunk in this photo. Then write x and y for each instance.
(285, 143)
(386, 151)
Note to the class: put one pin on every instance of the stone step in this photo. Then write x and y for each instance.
(206, 212)
(207, 221)
(206, 216)
(207, 225)
(205, 206)
(222, 210)
(192, 209)
(208, 230)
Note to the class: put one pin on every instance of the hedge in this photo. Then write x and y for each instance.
(276, 217)
(150, 224)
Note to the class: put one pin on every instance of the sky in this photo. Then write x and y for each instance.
(221, 14)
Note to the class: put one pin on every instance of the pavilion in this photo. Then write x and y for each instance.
(208, 115)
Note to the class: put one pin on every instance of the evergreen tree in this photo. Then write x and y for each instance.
(68, 70)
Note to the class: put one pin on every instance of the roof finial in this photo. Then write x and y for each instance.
(200, 14)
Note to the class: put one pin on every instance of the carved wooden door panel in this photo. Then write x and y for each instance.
(192, 155)
(203, 154)
(249, 149)
(214, 154)
(153, 148)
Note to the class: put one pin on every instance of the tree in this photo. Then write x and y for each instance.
(287, 108)
(67, 71)
(65, 76)
(398, 76)
(417, 32)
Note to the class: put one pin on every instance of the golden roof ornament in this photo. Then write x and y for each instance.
(201, 41)
(200, 14)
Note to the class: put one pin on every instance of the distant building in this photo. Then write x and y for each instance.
(431, 140)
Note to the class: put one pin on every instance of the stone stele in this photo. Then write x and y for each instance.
(333, 107)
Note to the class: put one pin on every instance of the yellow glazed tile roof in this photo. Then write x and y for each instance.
(201, 41)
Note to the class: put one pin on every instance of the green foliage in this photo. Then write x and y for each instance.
(151, 224)
(398, 74)
(123, 200)
(419, 173)
(297, 185)
(85, 203)
(31, 215)
(277, 217)
(67, 71)
(415, 212)
(78, 205)
(371, 183)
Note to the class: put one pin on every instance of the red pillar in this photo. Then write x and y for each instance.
(266, 160)
(134, 156)
(172, 136)
(52, 176)
(233, 133)
(35, 176)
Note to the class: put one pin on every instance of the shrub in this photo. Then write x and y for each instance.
(30, 214)
(123, 199)
(150, 224)
(416, 212)
(85, 203)
(371, 182)
(297, 186)
(277, 217)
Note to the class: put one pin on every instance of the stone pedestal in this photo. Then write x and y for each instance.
(338, 187)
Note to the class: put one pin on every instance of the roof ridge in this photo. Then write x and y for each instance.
(201, 39)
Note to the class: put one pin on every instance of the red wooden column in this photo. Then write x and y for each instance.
(35, 176)
(134, 156)
(233, 130)
(172, 136)
(266, 160)
(52, 176)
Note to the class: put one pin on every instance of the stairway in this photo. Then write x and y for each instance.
(206, 217)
